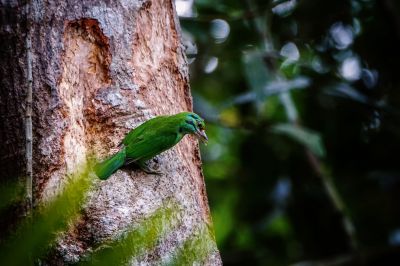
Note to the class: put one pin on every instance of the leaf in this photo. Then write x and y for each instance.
(223, 216)
(196, 249)
(257, 74)
(11, 193)
(310, 139)
(136, 241)
(36, 233)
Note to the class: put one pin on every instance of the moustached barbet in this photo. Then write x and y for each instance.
(150, 139)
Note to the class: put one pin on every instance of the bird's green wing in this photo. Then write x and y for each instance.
(149, 145)
(136, 134)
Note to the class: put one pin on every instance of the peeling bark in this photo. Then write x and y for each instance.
(100, 68)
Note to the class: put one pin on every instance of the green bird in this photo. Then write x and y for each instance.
(150, 139)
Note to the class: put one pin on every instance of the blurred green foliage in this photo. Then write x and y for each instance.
(10, 193)
(35, 235)
(135, 242)
(277, 78)
(196, 249)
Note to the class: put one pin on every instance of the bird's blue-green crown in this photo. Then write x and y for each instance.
(193, 124)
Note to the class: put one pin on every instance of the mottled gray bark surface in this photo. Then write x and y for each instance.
(100, 68)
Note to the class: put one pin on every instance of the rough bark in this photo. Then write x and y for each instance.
(99, 68)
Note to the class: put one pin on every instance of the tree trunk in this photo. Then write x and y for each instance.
(99, 69)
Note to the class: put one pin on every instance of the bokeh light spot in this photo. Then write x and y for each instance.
(351, 69)
(219, 30)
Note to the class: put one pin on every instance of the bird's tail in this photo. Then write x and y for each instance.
(107, 167)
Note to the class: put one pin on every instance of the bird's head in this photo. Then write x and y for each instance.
(194, 124)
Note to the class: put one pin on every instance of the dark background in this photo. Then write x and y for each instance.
(303, 110)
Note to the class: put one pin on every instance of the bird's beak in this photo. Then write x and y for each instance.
(201, 135)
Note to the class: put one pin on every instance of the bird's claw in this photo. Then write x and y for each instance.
(152, 172)
(145, 168)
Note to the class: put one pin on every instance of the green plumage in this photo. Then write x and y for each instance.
(150, 139)
(112, 164)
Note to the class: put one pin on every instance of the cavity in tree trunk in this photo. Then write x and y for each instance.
(99, 69)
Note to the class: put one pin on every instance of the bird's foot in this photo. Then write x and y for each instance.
(156, 159)
(152, 171)
(148, 170)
